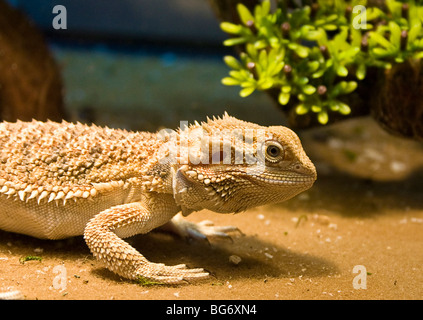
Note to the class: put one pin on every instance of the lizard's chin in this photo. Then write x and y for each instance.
(235, 192)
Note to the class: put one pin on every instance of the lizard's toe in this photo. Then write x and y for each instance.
(206, 229)
(202, 231)
(162, 274)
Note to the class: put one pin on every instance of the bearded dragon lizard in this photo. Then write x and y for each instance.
(60, 180)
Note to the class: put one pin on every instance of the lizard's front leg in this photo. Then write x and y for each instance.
(103, 236)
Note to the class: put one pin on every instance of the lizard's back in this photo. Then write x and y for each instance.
(55, 176)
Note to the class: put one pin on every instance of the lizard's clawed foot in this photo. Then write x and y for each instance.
(158, 273)
(202, 231)
(206, 229)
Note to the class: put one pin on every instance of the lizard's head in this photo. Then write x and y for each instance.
(228, 165)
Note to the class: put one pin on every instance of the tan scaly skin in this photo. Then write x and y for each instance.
(59, 180)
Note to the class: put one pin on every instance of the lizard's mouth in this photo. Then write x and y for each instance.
(281, 178)
(285, 179)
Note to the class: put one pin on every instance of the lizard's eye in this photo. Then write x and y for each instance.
(273, 151)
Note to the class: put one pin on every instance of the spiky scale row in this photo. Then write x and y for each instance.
(20, 192)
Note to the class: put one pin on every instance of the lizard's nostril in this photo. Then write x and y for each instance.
(303, 169)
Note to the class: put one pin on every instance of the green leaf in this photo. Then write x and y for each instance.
(265, 7)
(251, 50)
(260, 44)
(309, 89)
(399, 59)
(380, 40)
(373, 13)
(341, 71)
(318, 74)
(246, 91)
(284, 98)
(232, 62)
(247, 83)
(414, 32)
(273, 56)
(234, 41)
(380, 52)
(314, 35)
(274, 42)
(349, 87)
(264, 31)
(244, 14)
(262, 60)
(361, 72)
(330, 27)
(344, 108)
(265, 84)
(300, 50)
(258, 13)
(302, 80)
(313, 66)
(228, 81)
(231, 28)
(343, 87)
(276, 69)
(350, 53)
(323, 117)
(333, 105)
(395, 33)
(240, 75)
(332, 17)
(394, 7)
(301, 109)
(286, 89)
(305, 29)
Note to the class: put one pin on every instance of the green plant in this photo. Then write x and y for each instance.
(316, 55)
(22, 260)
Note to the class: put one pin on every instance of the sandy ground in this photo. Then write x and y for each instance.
(357, 234)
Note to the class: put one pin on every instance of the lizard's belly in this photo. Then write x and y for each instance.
(50, 220)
